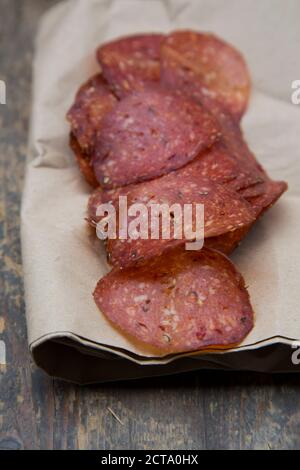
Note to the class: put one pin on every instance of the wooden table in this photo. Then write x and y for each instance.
(191, 411)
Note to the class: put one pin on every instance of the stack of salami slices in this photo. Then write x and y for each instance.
(160, 124)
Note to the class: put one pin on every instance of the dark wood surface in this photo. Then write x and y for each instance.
(211, 410)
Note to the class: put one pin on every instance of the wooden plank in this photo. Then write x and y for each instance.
(191, 411)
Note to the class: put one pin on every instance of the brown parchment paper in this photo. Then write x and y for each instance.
(68, 336)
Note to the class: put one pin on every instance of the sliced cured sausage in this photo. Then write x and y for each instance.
(148, 134)
(181, 302)
(224, 211)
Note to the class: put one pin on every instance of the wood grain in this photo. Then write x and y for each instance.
(204, 410)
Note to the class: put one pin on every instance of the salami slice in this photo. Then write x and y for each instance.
(220, 68)
(185, 301)
(224, 211)
(148, 134)
(93, 101)
(130, 63)
(119, 251)
(84, 162)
